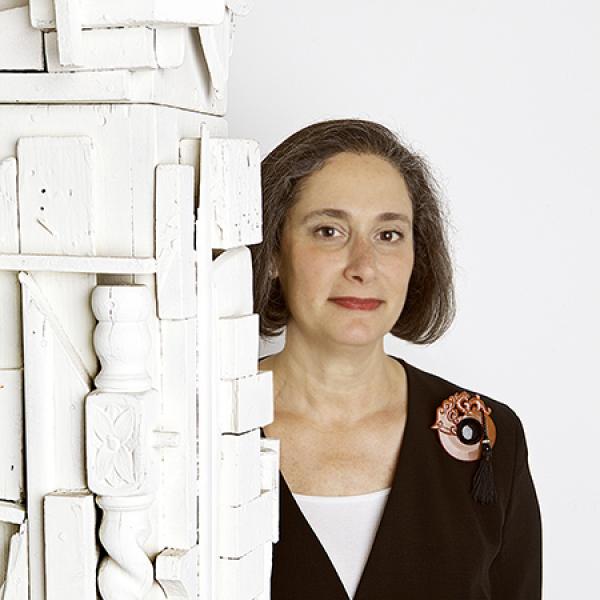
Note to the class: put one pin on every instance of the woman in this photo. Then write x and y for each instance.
(385, 490)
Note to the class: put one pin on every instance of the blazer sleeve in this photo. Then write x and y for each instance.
(516, 572)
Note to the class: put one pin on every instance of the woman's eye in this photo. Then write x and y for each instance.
(328, 228)
(399, 233)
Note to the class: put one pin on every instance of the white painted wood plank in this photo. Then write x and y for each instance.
(9, 230)
(111, 13)
(235, 191)
(243, 528)
(70, 544)
(242, 578)
(68, 25)
(177, 573)
(56, 195)
(11, 351)
(77, 264)
(175, 276)
(233, 282)
(240, 471)
(246, 403)
(177, 492)
(207, 372)
(11, 512)
(107, 86)
(170, 46)
(56, 384)
(129, 48)
(11, 435)
(238, 346)
(16, 585)
(21, 46)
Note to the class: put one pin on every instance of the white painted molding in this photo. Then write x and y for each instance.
(121, 455)
(126, 573)
(77, 264)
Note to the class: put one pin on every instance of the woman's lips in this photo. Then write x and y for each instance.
(357, 303)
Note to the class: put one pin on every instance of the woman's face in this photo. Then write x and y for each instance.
(348, 234)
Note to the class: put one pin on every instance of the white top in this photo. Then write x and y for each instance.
(346, 527)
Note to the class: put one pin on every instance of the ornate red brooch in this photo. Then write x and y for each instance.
(468, 433)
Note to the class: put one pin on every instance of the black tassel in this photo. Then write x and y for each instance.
(484, 487)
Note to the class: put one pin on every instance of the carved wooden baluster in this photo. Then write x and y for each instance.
(121, 456)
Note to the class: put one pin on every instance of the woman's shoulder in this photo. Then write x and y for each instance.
(431, 389)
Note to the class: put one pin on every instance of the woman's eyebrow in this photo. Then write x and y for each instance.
(337, 213)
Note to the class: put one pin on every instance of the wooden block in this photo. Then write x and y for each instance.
(68, 26)
(121, 451)
(241, 578)
(170, 46)
(232, 272)
(21, 46)
(269, 462)
(56, 197)
(11, 351)
(177, 573)
(176, 284)
(243, 528)
(115, 13)
(129, 48)
(246, 403)
(11, 435)
(238, 346)
(16, 585)
(234, 188)
(177, 493)
(240, 470)
(70, 543)
(11, 512)
(56, 383)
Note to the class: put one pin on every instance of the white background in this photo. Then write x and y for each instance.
(503, 98)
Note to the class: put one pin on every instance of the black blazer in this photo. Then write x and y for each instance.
(434, 542)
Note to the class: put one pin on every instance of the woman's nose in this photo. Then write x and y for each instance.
(362, 259)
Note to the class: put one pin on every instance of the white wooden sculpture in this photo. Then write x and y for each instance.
(128, 357)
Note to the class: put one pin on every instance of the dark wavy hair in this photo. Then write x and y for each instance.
(429, 308)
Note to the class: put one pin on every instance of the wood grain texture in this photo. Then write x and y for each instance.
(234, 189)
